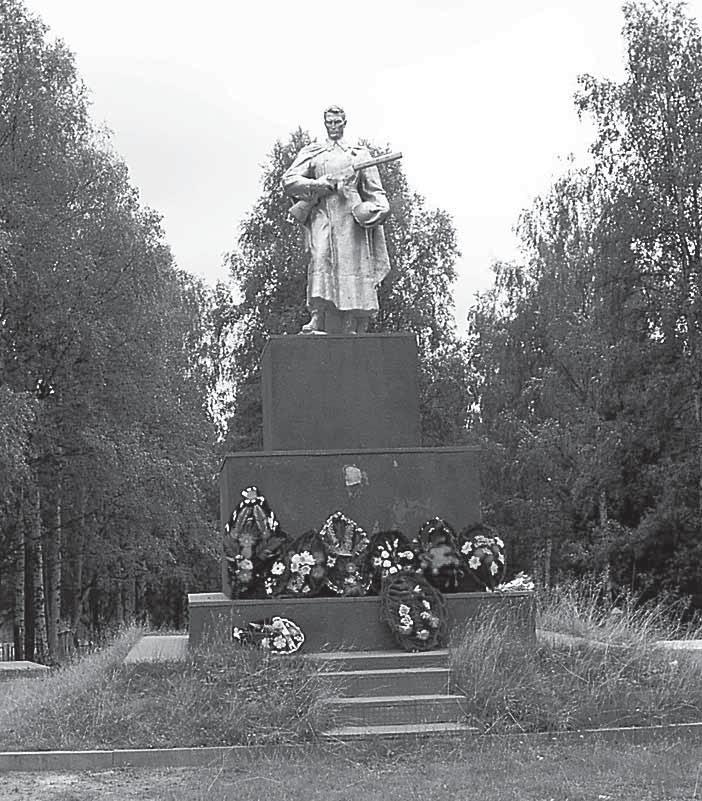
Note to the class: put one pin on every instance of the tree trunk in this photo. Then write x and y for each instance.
(53, 582)
(38, 599)
(19, 582)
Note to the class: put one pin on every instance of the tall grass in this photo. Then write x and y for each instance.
(616, 677)
(222, 695)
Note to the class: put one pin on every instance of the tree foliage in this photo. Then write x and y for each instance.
(587, 354)
(105, 434)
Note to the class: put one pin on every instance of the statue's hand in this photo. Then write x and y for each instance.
(324, 185)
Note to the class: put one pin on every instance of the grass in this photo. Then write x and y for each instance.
(619, 677)
(491, 769)
(228, 696)
(217, 696)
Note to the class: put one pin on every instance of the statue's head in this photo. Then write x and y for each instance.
(335, 121)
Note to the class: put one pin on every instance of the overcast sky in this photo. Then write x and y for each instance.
(477, 95)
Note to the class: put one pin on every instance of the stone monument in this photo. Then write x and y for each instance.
(341, 421)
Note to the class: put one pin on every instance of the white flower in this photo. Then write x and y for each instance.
(236, 633)
(423, 634)
(246, 564)
(417, 589)
(465, 548)
(305, 570)
(403, 610)
(387, 563)
(494, 569)
(331, 560)
(405, 628)
(393, 569)
(474, 563)
(385, 554)
(265, 643)
(426, 604)
(499, 542)
(278, 569)
(279, 642)
(377, 561)
(406, 555)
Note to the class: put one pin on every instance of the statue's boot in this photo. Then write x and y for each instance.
(316, 323)
(349, 323)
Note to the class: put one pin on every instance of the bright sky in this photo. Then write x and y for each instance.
(477, 95)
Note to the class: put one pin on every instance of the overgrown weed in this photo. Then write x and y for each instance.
(618, 676)
(219, 695)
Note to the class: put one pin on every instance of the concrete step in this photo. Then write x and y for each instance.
(399, 731)
(158, 648)
(380, 660)
(381, 710)
(403, 681)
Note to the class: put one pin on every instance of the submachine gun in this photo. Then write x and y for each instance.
(302, 208)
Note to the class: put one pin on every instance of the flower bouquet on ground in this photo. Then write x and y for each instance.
(483, 554)
(277, 635)
(251, 532)
(415, 612)
(438, 554)
(522, 582)
(305, 571)
(347, 554)
(389, 552)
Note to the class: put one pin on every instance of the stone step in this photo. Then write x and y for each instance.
(158, 648)
(380, 660)
(402, 681)
(399, 731)
(381, 710)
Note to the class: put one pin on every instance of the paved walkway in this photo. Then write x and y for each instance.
(159, 648)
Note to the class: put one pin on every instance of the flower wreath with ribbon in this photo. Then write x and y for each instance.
(483, 554)
(347, 552)
(252, 539)
(415, 612)
(306, 565)
(389, 552)
(277, 635)
(438, 554)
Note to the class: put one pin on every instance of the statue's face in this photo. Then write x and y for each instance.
(335, 124)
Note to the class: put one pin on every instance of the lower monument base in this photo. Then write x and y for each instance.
(351, 624)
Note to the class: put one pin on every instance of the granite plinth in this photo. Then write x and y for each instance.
(332, 392)
(398, 489)
(352, 624)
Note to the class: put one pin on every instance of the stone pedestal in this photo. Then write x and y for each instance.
(380, 490)
(342, 433)
(333, 392)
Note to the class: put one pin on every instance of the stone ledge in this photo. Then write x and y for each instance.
(214, 756)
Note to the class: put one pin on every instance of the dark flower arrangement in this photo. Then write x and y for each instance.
(253, 541)
(277, 635)
(390, 552)
(483, 554)
(414, 611)
(347, 556)
(343, 560)
(306, 562)
(438, 555)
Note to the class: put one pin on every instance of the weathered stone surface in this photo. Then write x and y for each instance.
(334, 392)
(344, 623)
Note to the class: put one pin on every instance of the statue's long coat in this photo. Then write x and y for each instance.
(348, 259)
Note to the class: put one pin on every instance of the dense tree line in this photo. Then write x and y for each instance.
(106, 440)
(588, 355)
